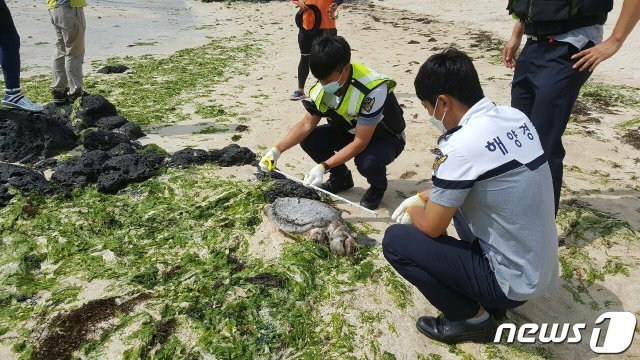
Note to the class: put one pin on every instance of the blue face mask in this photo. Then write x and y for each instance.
(334, 86)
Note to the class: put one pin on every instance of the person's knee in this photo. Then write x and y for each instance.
(368, 165)
(74, 50)
(309, 143)
(392, 240)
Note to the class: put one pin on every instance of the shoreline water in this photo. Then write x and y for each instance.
(115, 28)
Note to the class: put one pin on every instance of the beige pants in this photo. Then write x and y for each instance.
(67, 63)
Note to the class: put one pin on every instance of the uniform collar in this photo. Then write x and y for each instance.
(480, 108)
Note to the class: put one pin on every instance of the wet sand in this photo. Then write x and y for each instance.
(490, 15)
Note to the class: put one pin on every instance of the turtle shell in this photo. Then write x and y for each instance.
(297, 215)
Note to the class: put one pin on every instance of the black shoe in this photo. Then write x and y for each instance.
(498, 314)
(60, 96)
(336, 184)
(79, 93)
(372, 198)
(453, 332)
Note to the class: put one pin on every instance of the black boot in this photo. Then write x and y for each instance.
(372, 198)
(453, 332)
(339, 183)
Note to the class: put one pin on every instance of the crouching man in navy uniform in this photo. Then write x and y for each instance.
(492, 178)
(365, 123)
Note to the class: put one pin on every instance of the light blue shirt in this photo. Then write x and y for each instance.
(581, 36)
(494, 171)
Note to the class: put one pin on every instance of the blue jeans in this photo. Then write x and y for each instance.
(9, 48)
(545, 88)
(325, 140)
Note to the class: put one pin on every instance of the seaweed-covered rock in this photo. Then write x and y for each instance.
(119, 171)
(154, 153)
(281, 188)
(111, 122)
(24, 179)
(187, 157)
(233, 155)
(94, 107)
(132, 130)
(100, 139)
(80, 171)
(262, 176)
(60, 112)
(5, 196)
(113, 69)
(27, 137)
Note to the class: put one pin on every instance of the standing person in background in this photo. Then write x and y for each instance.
(67, 17)
(10, 61)
(563, 48)
(315, 18)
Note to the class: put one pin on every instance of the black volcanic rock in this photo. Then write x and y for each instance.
(27, 137)
(95, 107)
(105, 140)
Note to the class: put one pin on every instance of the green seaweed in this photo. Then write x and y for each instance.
(156, 88)
(211, 130)
(605, 95)
(629, 124)
(182, 238)
(581, 226)
(213, 111)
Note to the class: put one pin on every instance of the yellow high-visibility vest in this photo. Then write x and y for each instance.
(74, 3)
(351, 102)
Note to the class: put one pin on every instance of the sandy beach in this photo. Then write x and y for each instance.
(174, 24)
(394, 37)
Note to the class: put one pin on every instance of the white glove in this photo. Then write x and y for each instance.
(404, 218)
(268, 161)
(315, 175)
(400, 215)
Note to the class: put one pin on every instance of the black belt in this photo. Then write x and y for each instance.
(541, 38)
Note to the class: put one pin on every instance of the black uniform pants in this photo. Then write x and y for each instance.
(9, 48)
(454, 275)
(305, 41)
(545, 88)
(325, 140)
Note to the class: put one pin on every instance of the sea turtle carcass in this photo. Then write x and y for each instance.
(315, 221)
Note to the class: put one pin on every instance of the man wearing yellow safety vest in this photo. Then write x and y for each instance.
(365, 123)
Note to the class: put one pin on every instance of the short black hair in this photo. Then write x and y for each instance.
(449, 72)
(329, 54)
